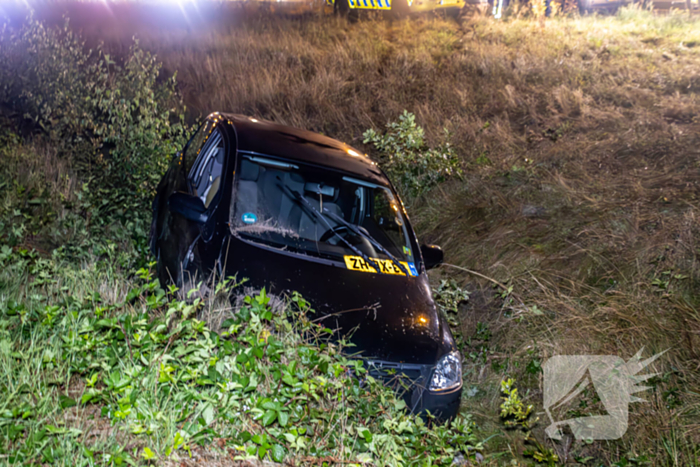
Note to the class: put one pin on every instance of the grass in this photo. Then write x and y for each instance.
(579, 145)
(101, 369)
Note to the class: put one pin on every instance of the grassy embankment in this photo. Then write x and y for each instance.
(579, 144)
(580, 147)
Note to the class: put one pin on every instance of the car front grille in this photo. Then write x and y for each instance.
(407, 379)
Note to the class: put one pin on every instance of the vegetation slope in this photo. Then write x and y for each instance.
(577, 202)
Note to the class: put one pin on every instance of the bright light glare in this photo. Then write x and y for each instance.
(498, 9)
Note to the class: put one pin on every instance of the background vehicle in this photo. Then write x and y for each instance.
(397, 6)
(293, 211)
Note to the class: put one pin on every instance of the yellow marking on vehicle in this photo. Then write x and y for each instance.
(413, 5)
(369, 4)
(387, 266)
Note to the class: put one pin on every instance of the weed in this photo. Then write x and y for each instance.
(513, 411)
(448, 296)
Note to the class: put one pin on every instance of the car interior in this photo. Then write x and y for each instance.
(266, 198)
(261, 190)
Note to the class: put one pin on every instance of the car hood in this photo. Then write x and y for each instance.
(385, 317)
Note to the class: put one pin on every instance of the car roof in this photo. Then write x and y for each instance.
(273, 139)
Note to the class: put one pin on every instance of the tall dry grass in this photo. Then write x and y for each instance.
(582, 149)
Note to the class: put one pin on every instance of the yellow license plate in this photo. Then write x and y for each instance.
(387, 266)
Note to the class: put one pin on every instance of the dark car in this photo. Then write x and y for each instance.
(292, 210)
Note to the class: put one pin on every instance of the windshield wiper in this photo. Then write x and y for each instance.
(357, 231)
(298, 197)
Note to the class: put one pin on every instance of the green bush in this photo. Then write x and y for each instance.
(117, 124)
(412, 166)
(147, 369)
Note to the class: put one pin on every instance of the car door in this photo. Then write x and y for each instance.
(206, 180)
(184, 247)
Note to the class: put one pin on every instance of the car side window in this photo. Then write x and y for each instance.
(205, 175)
(195, 144)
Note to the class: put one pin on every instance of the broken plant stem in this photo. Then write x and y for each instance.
(490, 279)
(478, 274)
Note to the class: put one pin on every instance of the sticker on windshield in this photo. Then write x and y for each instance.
(406, 251)
(249, 218)
(387, 266)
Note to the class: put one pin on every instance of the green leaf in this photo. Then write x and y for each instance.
(208, 414)
(367, 435)
(269, 417)
(66, 402)
(283, 418)
(147, 454)
(289, 379)
(269, 405)
(277, 453)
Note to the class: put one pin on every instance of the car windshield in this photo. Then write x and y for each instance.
(320, 212)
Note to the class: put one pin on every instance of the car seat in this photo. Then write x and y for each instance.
(308, 226)
(247, 193)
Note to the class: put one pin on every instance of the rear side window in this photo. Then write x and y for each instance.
(205, 175)
(195, 144)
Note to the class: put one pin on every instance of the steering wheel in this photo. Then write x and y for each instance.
(342, 230)
(359, 242)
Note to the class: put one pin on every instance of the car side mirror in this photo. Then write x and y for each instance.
(432, 255)
(188, 206)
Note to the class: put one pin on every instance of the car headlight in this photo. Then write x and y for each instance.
(448, 373)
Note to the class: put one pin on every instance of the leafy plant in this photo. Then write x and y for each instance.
(542, 455)
(409, 162)
(515, 414)
(270, 385)
(448, 296)
(513, 411)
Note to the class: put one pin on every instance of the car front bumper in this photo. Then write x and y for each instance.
(443, 405)
(410, 381)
